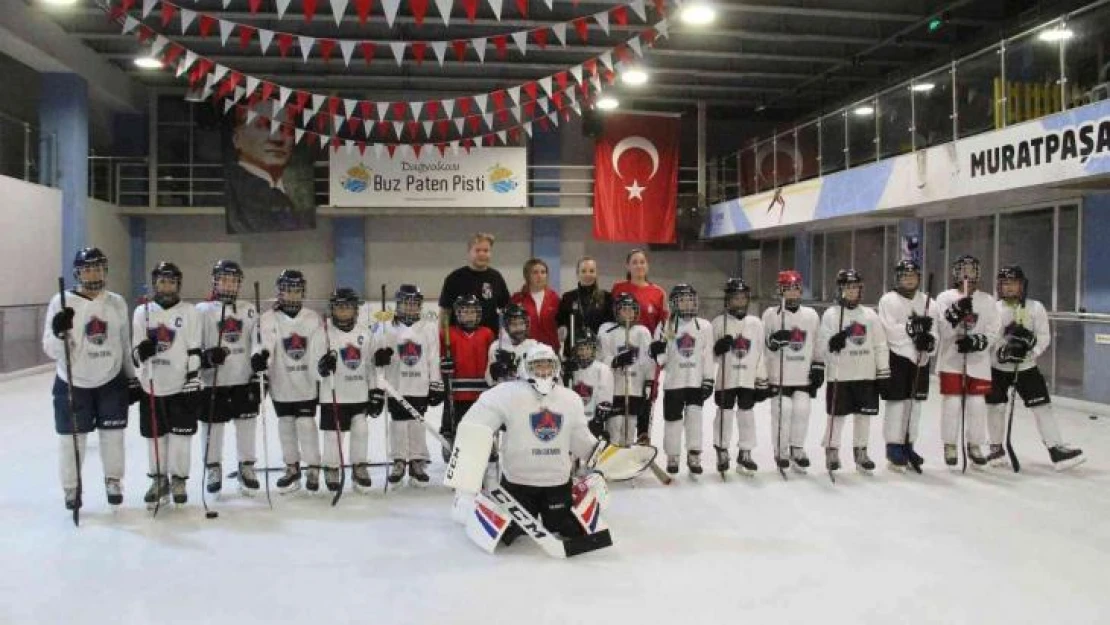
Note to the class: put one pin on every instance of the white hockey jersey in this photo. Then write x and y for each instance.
(983, 320)
(865, 356)
(415, 363)
(611, 341)
(796, 357)
(1035, 318)
(542, 432)
(240, 322)
(354, 374)
(746, 364)
(594, 385)
(518, 351)
(176, 332)
(688, 360)
(292, 371)
(894, 313)
(100, 341)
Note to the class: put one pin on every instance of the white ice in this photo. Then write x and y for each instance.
(985, 547)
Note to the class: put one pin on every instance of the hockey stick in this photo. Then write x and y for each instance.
(447, 416)
(388, 417)
(154, 419)
(835, 386)
(72, 410)
(627, 388)
(1019, 317)
(782, 387)
(963, 390)
(657, 470)
(211, 514)
(913, 386)
(262, 392)
(336, 420)
(721, 386)
(566, 548)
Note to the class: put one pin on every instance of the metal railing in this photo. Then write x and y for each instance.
(26, 152)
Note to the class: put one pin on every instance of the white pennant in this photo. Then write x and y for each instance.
(607, 60)
(398, 48)
(416, 107)
(383, 110)
(516, 113)
(239, 93)
(634, 43)
(576, 71)
(298, 134)
(350, 106)
(577, 107)
(479, 47)
(603, 21)
(275, 125)
(521, 39)
(459, 123)
(190, 58)
(349, 145)
(570, 95)
(207, 93)
(209, 83)
(448, 107)
(264, 39)
(528, 128)
(542, 103)
(227, 3)
(496, 6)
(338, 8)
(158, 45)
(306, 116)
(440, 49)
(553, 117)
(251, 115)
(221, 71)
(368, 127)
(187, 18)
(545, 82)
(390, 7)
(129, 24)
(596, 82)
(306, 44)
(252, 84)
(428, 129)
(347, 47)
(148, 6)
(378, 148)
(455, 147)
(323, 142)
(488, 118)
(560, 31)
(337, 123)
(283, 95)
(481, 100)
(638, 9)
(549, 3)
(514, 93)
(227, 106)
(398, 128)
(444, 7)
(282, 5)
(225, 31)
(661, 28)
(501, 136)
(317, 101)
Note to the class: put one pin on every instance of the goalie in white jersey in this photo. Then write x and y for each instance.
(103, 382)
(1025, 336)
(852, 344)
(593, 381)
(406, 352)
(229, 346)
(910, 320)
(624, 345)
(793, 375)
(505, 357)
(684, 348)
(970, 327)
(166, 334)
(740, 349)
(288, 332)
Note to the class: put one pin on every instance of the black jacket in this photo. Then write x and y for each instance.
(587, 314)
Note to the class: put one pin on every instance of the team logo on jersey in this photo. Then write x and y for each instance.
(857, 333)
(162, 336)
(970, 319)
(295, 345)
(409, 352)
(585, 391)
(232, 330)
(351, 356)
(797, 339)
(487, 290)
(685, 345)
(741, 346)
(96, 330)
(546, 424)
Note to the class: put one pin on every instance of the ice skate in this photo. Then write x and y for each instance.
(417, 473)
(113, 490)
(975, 454)
(896, 457)
(693, 462)
(73, 502)
(159, 490)
(864, 464)
(951, 455)
(744, 463)
(331, 479)
(290, 481)
(213, 478)
(672, 465)
(913, 457)
(997, 457)
(799, 459)
(832, 459)
(723, 460)
(782, 463)
(177, 489)
(1064, 457)
(360, 475)
(396, 471)
(312, 479)
(248, 479)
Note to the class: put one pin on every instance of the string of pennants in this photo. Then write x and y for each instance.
(208, 25)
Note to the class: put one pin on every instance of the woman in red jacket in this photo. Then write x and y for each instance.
(650, 296)
(541, 303)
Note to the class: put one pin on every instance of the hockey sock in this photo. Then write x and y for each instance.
(246, 433)
(287, 432)
(308, 440)
(895, 422)
(832, 437)
(781, 430)
(629, 431)
(722, 428)
(861, 430)
(180, 451)
(615, 427)
(111, 452)
(692, 422)
(672, 437)
(67, 464)
(153, 460)
(215, 441)
(360, 439)
(1047, 426)
(331, 450)
(418, 441)
(799, 420)
(745, 428)
(915, 420)
(398, 439)
(996, 423)
(950, 420)
(976, 420)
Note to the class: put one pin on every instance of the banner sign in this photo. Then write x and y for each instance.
(483, 178)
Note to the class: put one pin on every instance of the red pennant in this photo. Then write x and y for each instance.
(468, 143)
(172, 52)
(500, 42)
(541, 37)
(442, 128)
(267, 90)
(365, 108)
(382, 129)
(557, 99)
(561, 80)
(327, 46)
(530, 89)
(582, 27)
(419, 9)
(620, 15)
(145, 34)
(660, 8)
(530, 109)
(333, 105)
(514, 134)
(583, 88)
(206, 24)
(431, 108)
(648, 37)
(413, 128)
(503, 116)
(464, 106)
(285, 43)
(301, 99)
(566, 114)
(167, 13)
(309, 7)
(624, 53)
(498, 98)
(391, 148)
(398, 110)
(542, 121)
(254, 5)
(362, 148)
(610, 77)
(334, 143)
(419, 48)
(245, 34)
(116, 13)
(488, 141)
(416, 147)
(460, 49)
(363, 7)
(590, 66)
(522, 6)
(321, 124)
(471, 8)
(473, 122)
(368, 49)
(352, 126)
(442, 147)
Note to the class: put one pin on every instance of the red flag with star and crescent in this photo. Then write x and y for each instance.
(636, 179)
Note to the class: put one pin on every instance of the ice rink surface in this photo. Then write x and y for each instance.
(985, 547)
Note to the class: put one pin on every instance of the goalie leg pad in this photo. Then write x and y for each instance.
(486, 523)
(469, 457)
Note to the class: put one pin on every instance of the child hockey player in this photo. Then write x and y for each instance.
(504, 358)
(103, 382)
(593, 381)
(793, 375)
(465, 349)
(971, 326)
(624, 345)
(910, 321)
(1025, 336)
(687, 359)
(228, 338)
(288, 332)
(739, 348)
(853, 347)
(407, 354)
(166, 333)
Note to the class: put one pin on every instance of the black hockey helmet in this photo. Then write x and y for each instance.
(516, 331)
(468, 312)
(967, 268)
(169, 272)
(903, 271)
(87, 258)
(343, 308)
(625, 301)
(737, 296)
(684, 301)
(846, 278)
(409, 303)
(291, 286)
(1012, 273)
(166, 270)
(227, 276)
(585, 348)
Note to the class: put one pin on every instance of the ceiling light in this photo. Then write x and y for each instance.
(697, 13)
(864, 111)
(148, 62)
(634, 76)
(608, 103)
(1061, 33)
(923, 86)
(59, 3)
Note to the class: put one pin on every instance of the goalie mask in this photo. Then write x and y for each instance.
(737, 297)
(468, 312)
(515, 322)
(849, 288)
(90, 268)
(684, 301)
(626, 310)
(409, 303)
(1012, 284)
(541, 368)
(343, 308)
(585, 349)
(290, 292)
(966, 269)
(165, 279)
(907, 278)
(790, 288)
(227, 277)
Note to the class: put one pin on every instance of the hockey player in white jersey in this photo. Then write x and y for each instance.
(1025, 336)
(970, 327)
(166, 334)
(687, 360)
(406, 352)
(104, 382)
(593, 381)
(739, 343)
(505, 355)
(344, 365)
(624, 345)
(852, 344)
(793, 375)
(911, 321)
(229, 348)
(288, 331)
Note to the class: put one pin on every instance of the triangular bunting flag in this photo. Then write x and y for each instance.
(488, 118)
(516, 113)
(239, 93)
(545, 82)
(275, 126)
(576, 106)
(440, 50)
(298, 134)
(398, 48)
(264, 39)
(553, 117)
(501, 135)
(368, 48)
(351, 106)
(620, 15)
(560, 31)
(576, 71)
(227, 106)
(522, 7)
(419, 10)
(459, 122)
(327, 46)
(129, 24)
(323, 142)
(317, 101)
(252, 84)
(306, 44)
(496, 6)
(362, 7)
(338, 8)
(368, 127)
(530, 89)
(390, 7)
(639, 10)
(158, 45)
(514, 93)
(282, 5)
(285, 43)
(308, 7)
(634, 43)
(521, 39)
(378, 150)
(661, 28)
(582, 27)
(187, 18)
(148, 6)
(471, 9)
(607, 60)
(225, 31)
(186, 63)
(419, 49)
(542, 103)
(479, 44)
(347, 48)
(283, 95)
(398, 128)
(428, 129)
(219, 73)
(416, 147)
(167, 13)
(416, 107)
(383, 110)
(528, 128)
(481, 100)
(444, 7)
(448, 108)
(602, 21)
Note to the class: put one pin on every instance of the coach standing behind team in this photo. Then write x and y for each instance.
(589, 304)
(477, 278)
(541, 303)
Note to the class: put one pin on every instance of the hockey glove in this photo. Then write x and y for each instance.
(62, 322)
(816, 377)
(838, 341)
(918, 325)
(383, 357)
(436, 395)
(326, 365)
(214, 357)
(145, 350)
(924, 343)
(1017, 347)
(882, 385)
(958, 311)
(192, 383)
(447, 366)
(260, 361)
(706, 389)
(723, 345)
(778, 340)
(602, 411)
(375, 401)
(134, 391)
(1007, 356)
(1023, 333)
(657, 348)
(624, 359)
(499, 371)
(970, 343)
(504, 357)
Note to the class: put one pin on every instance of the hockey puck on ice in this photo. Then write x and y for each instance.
(1093, 417)
(211, 514)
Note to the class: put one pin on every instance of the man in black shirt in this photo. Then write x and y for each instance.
(478, 279)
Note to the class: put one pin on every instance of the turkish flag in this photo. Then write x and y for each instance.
(636, 179)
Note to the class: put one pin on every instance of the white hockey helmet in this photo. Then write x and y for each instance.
(541, 368)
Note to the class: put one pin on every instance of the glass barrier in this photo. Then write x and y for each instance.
(833, 147)
(786, 159)
(895, 112)
(1032, 61)
(932, 108)
(1086, 64)
(808, 152)
(765, 165)
(980, 102)
(862, 129)
(26, 153)
(747, 171)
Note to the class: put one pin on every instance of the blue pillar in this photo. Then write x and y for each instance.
(803, 261)
(64, 150)
(546, 150)
(1096, 294)
(137, 228)
(911, 232)
(547, 242)
(349, 236)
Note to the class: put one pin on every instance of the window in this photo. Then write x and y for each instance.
(1025, 239)
(974, 236)
(936, 258)
(838, 255)
(869, 262)
(1068, 259)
